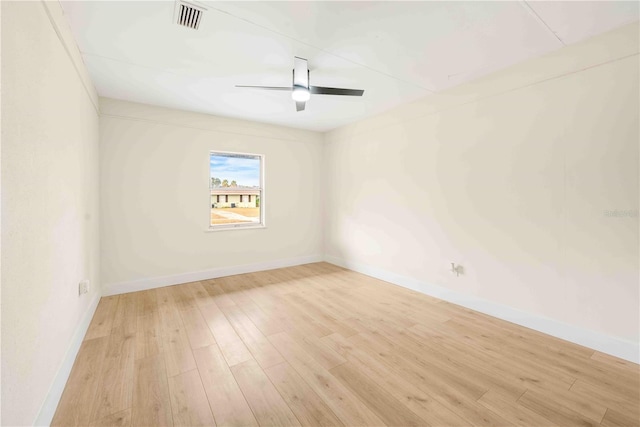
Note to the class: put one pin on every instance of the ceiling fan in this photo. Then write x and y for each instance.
(301, 90)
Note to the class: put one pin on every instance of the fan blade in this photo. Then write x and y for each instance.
(300, 106)
(300, 72)
(319, 90)
(268, 87)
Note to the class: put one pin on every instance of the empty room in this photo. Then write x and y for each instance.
(320, 213)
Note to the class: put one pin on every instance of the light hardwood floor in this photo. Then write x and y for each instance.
(320, 345)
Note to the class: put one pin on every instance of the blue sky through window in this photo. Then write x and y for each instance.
(244, 170)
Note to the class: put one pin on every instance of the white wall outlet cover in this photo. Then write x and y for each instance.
(83, 287)
(456, 269)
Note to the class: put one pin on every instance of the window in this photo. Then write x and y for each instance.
(237, 177)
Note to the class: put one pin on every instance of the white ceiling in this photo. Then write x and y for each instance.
(395, 51)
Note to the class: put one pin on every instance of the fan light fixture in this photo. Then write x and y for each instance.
(301, 90)
(300, 94)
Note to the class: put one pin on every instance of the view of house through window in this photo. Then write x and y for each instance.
(236, 189)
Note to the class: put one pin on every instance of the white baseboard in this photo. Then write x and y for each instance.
(618, 347)
(48, 408)
(158, 282)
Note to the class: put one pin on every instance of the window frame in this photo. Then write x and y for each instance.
(238, 226)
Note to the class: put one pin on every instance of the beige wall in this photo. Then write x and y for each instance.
(151, 153)
(49, 202)
(511, 176)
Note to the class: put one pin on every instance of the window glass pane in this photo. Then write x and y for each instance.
(235, 170)
(235, 177)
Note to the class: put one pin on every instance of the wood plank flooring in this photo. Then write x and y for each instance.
(318, 345)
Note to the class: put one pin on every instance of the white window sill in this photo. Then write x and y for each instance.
(240, 227)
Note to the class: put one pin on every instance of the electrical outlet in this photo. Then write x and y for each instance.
(457, 269)
(83, 287)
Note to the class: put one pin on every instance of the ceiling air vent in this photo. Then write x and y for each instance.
(188, 14)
